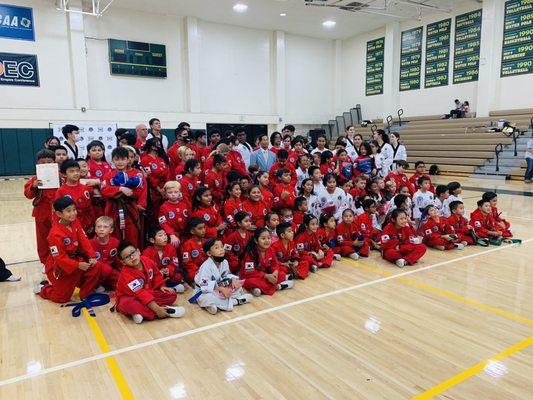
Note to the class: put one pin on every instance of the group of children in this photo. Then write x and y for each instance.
(152, 223)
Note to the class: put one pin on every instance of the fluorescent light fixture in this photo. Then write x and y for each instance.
(283, 15)
(240, 8)
(329, 24)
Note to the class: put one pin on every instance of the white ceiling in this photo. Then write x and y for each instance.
(301, 19)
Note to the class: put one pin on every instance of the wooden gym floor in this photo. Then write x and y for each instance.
(458, 325)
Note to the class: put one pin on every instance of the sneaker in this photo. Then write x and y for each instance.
(245, 298)
(464, 243)
(99, 289)
(527, 180)
(212, 309)
(313, 268)
(459, 246)
(179, 288)
(137, 318)
(440, 248)
(513, 241)
(14, 278)
(336, 257)
(256, 292)
(175, 312)
(496, 242)
(401, 263)
(354, 256)
(37, 289)
(482, 242)
(286, 285)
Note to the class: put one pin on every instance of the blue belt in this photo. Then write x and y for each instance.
(93, 300)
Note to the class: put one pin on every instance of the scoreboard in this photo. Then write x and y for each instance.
(127, 57)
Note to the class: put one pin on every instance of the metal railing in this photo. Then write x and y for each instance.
(389, 123)
(514, 134)
(497, 150)
(400, 113)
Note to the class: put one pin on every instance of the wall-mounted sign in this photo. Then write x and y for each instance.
(437, 53)
(19, 69)
(411, 59)
(466, 47)
(137, 58)
(517, 51)
(16, 22)
(375, 51)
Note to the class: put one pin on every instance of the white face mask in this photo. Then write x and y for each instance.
(78, 139)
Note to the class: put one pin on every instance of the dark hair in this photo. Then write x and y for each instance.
(96, 143)
(183, 125)
(193, 222)
(45, 153)
(399, 199)
(261, 136)
(367, 203)
(402, 163)
(218, 159)
(324, 156)
(123, 245)
(299, 201)
(489, 196)
(287, 136)
(198, 133)
(367, 147)
(273, 136)
(453, 186)
(327, 177)
(60, 147)
(396, 134)
(311, 169)
(324, 218)
(50, 138)
(282, 227)
(303, 184)
(454, 204)
(422, 179)
(297, 139)
(395, 213)
(120, 152)
(251, 247)
(440, 189)
(196, 197)
(68, 164)
(213, 131)
(283, 154)
(68, 129)
(190, 165)
(305, 224)
(269, 215)
(155, 144)
(419, 163)
(230, 186)
(209, 243)
(152, 232)
(281, 171)
(290, 128)
(348, 210)
(62, 202)
(383, 135)
(179, 130)
(239, 216)
(152, 120)
(481, 202)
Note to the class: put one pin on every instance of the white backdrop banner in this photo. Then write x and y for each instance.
(89, 131)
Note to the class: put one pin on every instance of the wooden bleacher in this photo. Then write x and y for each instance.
(458, 146)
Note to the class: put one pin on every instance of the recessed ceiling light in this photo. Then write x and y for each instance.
(329, 24)
(283, 15)
(240, 8)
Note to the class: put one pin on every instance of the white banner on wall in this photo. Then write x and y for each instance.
(89, 131)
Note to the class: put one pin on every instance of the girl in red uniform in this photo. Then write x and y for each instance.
(255, 206)
(399, 242)
(327, 166)
(235, 242)
(327, 235)
(437, 232)
(349, 239)
(260, 268)
(263, 182)
(174, 212)
(290, 260)
(233, 203)
(308, 243)
(203, 208)
(154, 161)
(189, 182)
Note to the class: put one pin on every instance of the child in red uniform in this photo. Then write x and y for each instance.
(189, 182)
(260, 268)
(79, 193)
(282, 163)
(400, 177)
(290, 261)
(203, 208)
(98, 167)
(502, 224)
(327, 166)
(174, 212)
(42, 206)
(365, 224)
(105, 247)
(164, 255)
(215, 179)
(235, 242)
(484, 224)
(271, 222)
(350, 241)
(255, 206)
(420, 170)
(72, 262)
(308, 243)
(399, 242)
(141, 292)
(122, 191)
(263, 180)
(192, 255)
(437, 232)
(461, 227)
(154, 161)
(300, 209)
(327, 235)
(233, 204)
(284, 191)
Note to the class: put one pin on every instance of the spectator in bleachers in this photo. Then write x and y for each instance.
(529, 160)
(457, 112)
(398, 149)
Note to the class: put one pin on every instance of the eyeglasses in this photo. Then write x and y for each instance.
(130, 256)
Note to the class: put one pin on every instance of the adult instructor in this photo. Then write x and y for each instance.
(155, 126)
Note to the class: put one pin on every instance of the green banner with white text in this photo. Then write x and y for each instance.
(466, 48)
(517, 51)
(437, 53)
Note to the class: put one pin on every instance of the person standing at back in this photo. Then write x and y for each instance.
(141, 132)
(386, 152)
(243, 147)
(263, 157)
(155, 127)
(71, 132)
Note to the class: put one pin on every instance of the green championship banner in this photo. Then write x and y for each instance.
(437, 53)
(466, 48)
(517, 51)
(137, 58)
(375, 51)
(411, 59)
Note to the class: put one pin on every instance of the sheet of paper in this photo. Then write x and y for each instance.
(48, 174)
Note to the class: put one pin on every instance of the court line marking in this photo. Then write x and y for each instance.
(111, 362)
(473, 370)
(443, 292)
(205, 328)
(514, 216)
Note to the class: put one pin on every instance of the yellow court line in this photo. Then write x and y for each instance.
(445, 293)
(111, 362)
(474, 370)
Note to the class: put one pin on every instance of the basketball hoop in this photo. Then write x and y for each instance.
(96, 8)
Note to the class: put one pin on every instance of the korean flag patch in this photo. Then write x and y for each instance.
(427, 231)
(385, 238)
(300, 246)
(54, 251)
(477, 224)
(135, 285)
(340, 239)
(249, 266)
(185, 256)
(162, 219)
(227, 247)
